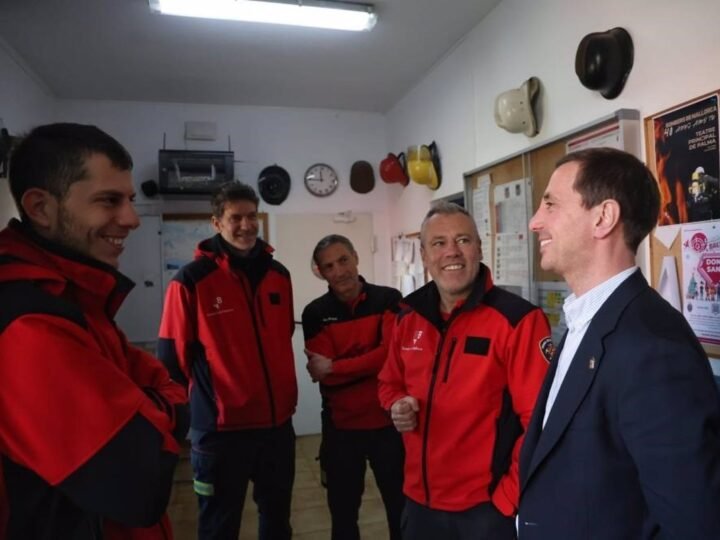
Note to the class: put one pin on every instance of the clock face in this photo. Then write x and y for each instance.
(321, 180)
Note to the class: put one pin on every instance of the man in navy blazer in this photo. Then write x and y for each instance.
(624, 442)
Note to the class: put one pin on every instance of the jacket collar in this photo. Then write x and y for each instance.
(216, 248)
(28, 256)
(353, 303)
(426, 300)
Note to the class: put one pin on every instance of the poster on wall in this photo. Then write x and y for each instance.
(701, 280)
(551, 297)
(511, 260)
(481, 212)
(687, 162)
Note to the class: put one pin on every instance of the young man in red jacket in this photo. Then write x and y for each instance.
(90, 425)
(347, 331)
(464, 367)
(226, 332)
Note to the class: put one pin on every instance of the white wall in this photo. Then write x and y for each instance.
(676, 59)
(261, 136)
(24, 103)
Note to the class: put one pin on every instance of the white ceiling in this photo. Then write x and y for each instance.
(119, 50)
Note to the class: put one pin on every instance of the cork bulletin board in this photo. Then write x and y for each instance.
(681, 148)
(535, 165)
(538, 164)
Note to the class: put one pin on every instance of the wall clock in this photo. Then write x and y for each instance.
(321, 180)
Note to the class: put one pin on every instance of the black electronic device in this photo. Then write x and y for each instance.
(194, 172)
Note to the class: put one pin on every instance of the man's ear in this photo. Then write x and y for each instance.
(40, 207)
(607, 218)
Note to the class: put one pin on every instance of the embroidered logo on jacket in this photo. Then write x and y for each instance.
(217, 306)
(416, 336)
(547, 348)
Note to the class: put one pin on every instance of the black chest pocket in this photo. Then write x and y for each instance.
(274, 298)
(477, 345)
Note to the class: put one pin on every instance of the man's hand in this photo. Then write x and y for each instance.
(404, 413)
(318, 366)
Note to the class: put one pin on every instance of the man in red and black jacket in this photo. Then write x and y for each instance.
(347, 331)
(226, 332)
(90, 425)
(464, 368)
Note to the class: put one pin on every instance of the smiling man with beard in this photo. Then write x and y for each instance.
(347, 331)
(464, 367)
(226, 332)
(90, 425)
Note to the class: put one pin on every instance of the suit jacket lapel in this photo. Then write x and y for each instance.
(535, 426)
(583, 368)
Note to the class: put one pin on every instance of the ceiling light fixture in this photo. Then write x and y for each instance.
(314, 13)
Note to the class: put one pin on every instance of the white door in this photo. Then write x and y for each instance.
(295, 238)
(139, 316)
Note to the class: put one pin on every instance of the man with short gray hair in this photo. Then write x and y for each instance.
(464, 367)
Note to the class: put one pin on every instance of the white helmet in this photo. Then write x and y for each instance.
(514, 108)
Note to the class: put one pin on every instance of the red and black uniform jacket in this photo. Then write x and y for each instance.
(90, 425)
(476, 375)
(356, 337)
(226, 332)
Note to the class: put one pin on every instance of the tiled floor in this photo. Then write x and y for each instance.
(310, 517)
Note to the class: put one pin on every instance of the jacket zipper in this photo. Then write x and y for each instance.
(451, 350)
(262, 313)
(253, 297)
(431, 390)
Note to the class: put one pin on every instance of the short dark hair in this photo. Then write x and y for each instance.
(445, 208)
(230, 192)
(52, 157)
(607, 173)
(328, 241)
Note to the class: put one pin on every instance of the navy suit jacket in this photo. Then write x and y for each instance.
(631, 449)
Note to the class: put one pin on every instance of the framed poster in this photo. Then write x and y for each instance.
(681, 145)
(687, 161)
(181, 233)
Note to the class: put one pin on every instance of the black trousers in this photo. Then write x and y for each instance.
(343, 457)
(481, 522)
(223, 464)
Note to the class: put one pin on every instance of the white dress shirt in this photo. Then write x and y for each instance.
(579, 312)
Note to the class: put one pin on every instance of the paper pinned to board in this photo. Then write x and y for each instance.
(667, 234)
(668, 286)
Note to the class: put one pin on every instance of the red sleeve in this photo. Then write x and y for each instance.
(318, 340)
(391, 379)
(148, 371)
(177, 331)
(526, 350)
(63, 399)
(366, 364)
(153, 378)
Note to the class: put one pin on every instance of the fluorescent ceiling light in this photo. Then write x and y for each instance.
(318, 14)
